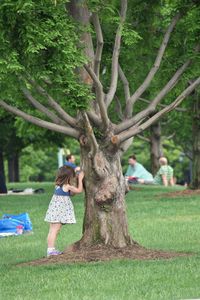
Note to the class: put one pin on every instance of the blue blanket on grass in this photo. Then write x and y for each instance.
(9, 223)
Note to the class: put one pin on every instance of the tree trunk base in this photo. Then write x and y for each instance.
(76, 254)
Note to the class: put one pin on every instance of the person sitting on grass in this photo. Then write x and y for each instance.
(164, 176)
(136, 171)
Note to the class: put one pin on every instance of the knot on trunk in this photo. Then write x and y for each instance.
(107, 191)
(101, 166)
(83, 140)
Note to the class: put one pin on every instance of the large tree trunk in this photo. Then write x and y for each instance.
(79, 11)
(196, 143)
(3, 188)
(13, 168)
(155, 146)
(105, 220)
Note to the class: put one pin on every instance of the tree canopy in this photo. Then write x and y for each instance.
(39, 46)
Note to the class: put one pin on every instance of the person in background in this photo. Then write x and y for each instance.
(164, 176)
(61, 210)
(136, 171)
(70, 162)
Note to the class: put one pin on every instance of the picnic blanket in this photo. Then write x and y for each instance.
(15, 224)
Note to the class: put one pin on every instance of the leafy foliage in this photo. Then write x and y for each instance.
(38, 164)
(40, 39)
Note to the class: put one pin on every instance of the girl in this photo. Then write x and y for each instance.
(61, 209)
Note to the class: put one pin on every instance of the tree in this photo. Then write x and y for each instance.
(196, 143)
(102, 141)
(187, 24)
(3, 188)
(17, 135)
(11, 146)
(187, 137)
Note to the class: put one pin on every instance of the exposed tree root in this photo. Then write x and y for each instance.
(74, 254)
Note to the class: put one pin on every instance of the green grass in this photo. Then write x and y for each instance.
(155, 221)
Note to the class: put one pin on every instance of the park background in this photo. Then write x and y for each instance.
(29, 153)
(40, 162)
(38, 47)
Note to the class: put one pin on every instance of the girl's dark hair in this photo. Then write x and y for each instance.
(64, 175)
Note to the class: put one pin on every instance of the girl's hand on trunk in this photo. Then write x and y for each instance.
(81, 175)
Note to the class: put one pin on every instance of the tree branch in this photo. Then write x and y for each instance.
(152, 106)
(143, 138)
(125, 83)
(156, 65)
(169, 137)
(99, 47)
(137, 129)
(118, 108)
(125, 145)
(163, 105)
(99, 96)
(94, 118)
(42, 108)
(65, 116)
(169, 86)
(68, 119)
(91, 135)
(48, 125)
(115, 57)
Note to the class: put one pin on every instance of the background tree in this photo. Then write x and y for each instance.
(44, 57)
(11, 146)
(196, 142)
(186, 30)
(3, 188)
(187, 136)
(32, 150)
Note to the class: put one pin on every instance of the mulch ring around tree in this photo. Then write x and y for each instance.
(104, 253)
(184, 193)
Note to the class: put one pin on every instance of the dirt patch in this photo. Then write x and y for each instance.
(183, 193)
(134, 188)
(104, 253)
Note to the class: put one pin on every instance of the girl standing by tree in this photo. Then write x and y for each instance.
(60, 210)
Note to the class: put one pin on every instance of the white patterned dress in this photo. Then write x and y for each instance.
(60, 208)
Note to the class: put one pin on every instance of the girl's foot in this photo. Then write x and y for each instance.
(53, 252)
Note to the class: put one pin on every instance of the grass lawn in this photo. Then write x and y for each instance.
(156, 221)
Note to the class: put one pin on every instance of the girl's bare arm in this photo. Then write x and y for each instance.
(74, 189)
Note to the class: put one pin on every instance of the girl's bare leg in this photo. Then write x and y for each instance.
(52, 235)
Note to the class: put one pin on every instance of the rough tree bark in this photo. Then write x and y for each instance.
(196, 143)
(105, 218)
(155, 146)
(3, 188)
(13, 168)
